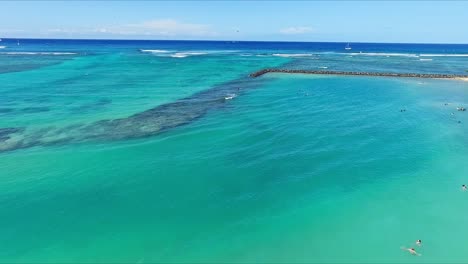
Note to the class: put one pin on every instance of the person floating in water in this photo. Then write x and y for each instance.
(463, 187)
(412, 251)
(418, 242)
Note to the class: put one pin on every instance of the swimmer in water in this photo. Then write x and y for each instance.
(418, 242)
(463, 187)
(412, 251)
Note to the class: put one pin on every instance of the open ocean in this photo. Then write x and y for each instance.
(167, 151)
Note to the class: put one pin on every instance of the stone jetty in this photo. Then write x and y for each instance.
(353, 73)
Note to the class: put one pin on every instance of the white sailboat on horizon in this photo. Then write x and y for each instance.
(347, 47)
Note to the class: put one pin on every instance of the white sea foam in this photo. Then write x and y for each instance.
(2, 47)
(173, 54)
(323, 67)
(287, 55)
(183, 54)
(223, 51)
(444, 55)
(59, 53)
(154, 51)
(186, 54)
(178, 55)
(386, 54)
(37, 53)
(405, 54)
(425, 59)
(230, 96)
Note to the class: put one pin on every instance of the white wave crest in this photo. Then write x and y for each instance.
(444, 55)
(287, 55)
(386, 54)
(425, 59)
(2, 47)
(230, 96)
(187, 54)
(173, 54)
(154, 51)
(59, 53)
(404, 54)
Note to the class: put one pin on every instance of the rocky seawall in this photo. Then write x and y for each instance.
(352, 73)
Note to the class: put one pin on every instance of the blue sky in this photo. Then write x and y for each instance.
(348, 21)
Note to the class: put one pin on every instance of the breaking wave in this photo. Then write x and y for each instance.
(186, 54)
(444, 55)
(386, 54)
(287, 55)
(154, 51)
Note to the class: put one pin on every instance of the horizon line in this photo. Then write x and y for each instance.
(221, 40)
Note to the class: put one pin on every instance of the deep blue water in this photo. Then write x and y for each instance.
(105, 45)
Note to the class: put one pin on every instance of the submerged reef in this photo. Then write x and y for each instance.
(143, 124)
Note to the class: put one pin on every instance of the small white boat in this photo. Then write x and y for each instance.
(347, 47)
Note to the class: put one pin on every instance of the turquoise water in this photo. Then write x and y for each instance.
(295, 168)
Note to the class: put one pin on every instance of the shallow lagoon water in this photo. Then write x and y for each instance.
(295, 168)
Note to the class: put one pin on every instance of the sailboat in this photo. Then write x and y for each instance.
(347, 47)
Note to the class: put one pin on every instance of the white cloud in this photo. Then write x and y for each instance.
(60, 30)
(296, 30)
(11, 30)
(160, 27)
